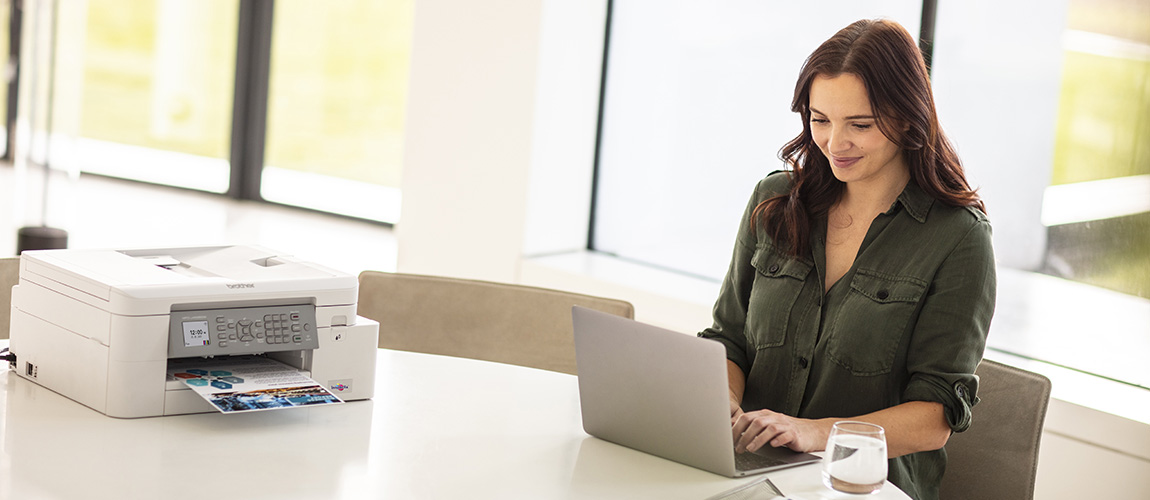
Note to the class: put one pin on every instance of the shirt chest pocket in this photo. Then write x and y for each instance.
(778, 281)
(866, 330)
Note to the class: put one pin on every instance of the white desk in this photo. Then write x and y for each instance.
(439, 427)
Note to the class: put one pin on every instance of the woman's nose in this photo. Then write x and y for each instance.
(838, 142)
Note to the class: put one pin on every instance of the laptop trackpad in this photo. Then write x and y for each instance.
(772, 459)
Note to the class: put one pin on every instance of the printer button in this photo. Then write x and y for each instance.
(259, 335)
(297, 339)
(222, 343)
(296, 329)
(232, 337)
(221, 328)
(220, 319)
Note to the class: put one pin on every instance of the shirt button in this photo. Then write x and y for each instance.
(802, 362)
(883, 294)
(773, 269)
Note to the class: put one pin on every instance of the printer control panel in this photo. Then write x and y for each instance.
(242, 330)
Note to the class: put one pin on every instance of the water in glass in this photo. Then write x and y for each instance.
(855, 459)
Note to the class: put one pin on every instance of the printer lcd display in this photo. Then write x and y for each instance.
(196, 334)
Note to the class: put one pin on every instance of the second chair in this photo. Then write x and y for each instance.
(513, 324)
(998, 457)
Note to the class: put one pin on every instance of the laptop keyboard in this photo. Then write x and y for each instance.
(751, 461)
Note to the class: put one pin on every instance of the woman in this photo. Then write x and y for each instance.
(862, 282)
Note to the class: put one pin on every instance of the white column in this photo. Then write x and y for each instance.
(500, 134)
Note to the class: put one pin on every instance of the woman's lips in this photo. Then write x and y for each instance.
(845, 161)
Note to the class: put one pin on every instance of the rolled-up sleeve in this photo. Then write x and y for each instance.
(950, 335)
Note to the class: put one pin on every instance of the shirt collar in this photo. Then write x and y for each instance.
(916, 202)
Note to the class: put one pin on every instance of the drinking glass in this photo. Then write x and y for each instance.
(855, 459)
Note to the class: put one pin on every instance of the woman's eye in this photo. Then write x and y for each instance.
(862, 126)
(818, 120)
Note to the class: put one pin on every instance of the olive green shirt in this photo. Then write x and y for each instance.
(907, 322)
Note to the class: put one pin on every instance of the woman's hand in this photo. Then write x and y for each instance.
(756, 429)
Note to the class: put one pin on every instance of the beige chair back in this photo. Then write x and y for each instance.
(9, 277)
(514, 324)
(998, 456)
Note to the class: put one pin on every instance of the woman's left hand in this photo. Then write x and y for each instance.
(753, 430)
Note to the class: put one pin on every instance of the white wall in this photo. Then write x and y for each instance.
(501, 128)
(469, 132)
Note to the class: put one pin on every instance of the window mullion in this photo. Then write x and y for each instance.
(250, 105)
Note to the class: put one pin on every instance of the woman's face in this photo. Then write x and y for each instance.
(844, 127)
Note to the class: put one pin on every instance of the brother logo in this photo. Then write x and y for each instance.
(241, 285)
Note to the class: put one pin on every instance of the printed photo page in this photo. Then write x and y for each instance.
(238, 384)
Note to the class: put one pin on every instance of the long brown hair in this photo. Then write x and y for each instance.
(884, 55)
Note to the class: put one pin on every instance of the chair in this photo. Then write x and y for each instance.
(9, 277)
(513, 324)
(998, 456)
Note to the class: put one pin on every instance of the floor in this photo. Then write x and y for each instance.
(102, 212)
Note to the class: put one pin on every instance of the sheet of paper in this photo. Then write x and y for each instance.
(236, 384)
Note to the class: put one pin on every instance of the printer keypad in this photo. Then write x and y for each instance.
(246, 329)
(272, 329)
(279, 328)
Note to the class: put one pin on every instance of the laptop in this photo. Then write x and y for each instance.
(663, 393)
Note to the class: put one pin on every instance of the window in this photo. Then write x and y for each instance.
(147, 90)
(153, 101)
(336, 111)
(1098, 206)
(696, 106)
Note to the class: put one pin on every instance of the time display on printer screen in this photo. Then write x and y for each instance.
(196, 334)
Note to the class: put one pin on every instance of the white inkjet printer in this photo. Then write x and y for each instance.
(99, 326)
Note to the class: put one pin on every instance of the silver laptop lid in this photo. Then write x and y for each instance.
(663, 393)
(654, 390)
